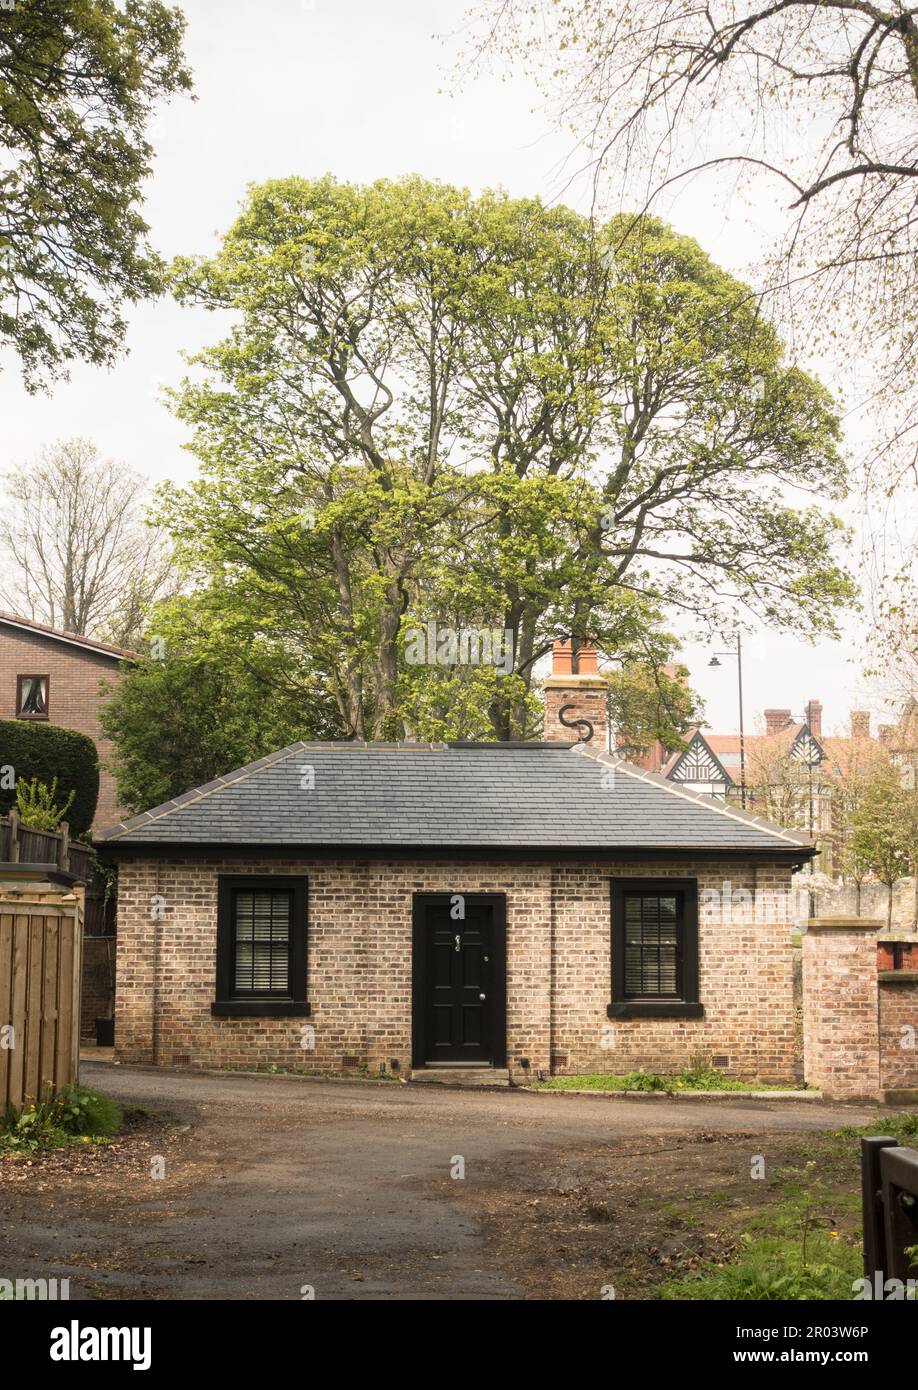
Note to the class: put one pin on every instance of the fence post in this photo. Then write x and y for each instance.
(899, 1173)
(63, 848)
(14, 835)
(875, 1256)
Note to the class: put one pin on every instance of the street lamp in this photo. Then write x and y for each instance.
(742, 738)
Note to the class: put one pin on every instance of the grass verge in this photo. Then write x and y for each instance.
(694, 1078)
(806, 1244)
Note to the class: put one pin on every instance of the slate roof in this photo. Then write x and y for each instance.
(450, 796)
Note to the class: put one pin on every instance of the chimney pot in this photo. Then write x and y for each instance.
(586, 661)
(561, 659)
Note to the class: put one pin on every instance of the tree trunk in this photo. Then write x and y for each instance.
(387, 659)
(354, 678)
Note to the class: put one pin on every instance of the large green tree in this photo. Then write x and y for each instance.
(881, 836)
(649, 704)
(210, 693)
(479, 411)
(78, 82)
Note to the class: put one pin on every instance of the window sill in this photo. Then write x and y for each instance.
(260, 1008)
(654, 1008)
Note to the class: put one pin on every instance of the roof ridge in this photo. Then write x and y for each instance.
(707, 802)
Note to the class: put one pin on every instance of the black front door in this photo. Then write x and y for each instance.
(459, 980)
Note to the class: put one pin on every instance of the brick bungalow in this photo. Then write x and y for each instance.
(53, 676)
(510, 907)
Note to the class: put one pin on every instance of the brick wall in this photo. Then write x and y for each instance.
(898, 999)
(840, 1006)
(74, 698)
(860, 1015)
(359, 968)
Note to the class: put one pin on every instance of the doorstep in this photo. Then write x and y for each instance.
(461, 1076)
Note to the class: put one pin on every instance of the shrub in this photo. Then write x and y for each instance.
(643, 1081)
(90, 1112)
(38, 807)
(45, 752)
(74, 1115)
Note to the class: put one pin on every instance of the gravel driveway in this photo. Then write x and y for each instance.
(276, 1184)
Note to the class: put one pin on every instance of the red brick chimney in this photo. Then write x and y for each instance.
(860, 723)
(776, 720)
(887, 734)
(575, 681)
(814, 717)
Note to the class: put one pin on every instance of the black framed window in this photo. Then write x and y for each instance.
(262, 928)
(32, 697)
(261, 946)
(655, 949)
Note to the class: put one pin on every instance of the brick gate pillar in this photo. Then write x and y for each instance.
(841, 1023)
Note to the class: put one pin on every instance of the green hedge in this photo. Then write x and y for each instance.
(46, 751)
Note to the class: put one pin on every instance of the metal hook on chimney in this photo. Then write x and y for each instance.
(578, 724)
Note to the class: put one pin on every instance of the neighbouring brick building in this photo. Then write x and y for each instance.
(512, 908)
(55, 676)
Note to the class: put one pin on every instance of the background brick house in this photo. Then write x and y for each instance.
(795, 772)
(55, 676)
(515, 908)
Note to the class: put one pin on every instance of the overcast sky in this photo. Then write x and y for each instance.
(357, 88)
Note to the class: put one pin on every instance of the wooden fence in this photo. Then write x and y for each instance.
(19, 845)
(55, 849)
(41, 940)
(889, 1192)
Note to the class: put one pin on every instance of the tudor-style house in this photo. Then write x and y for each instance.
(793, 772)
(510, 909)
(52, 676)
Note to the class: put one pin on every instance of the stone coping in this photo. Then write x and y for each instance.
(897, 977)
(873, 924)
